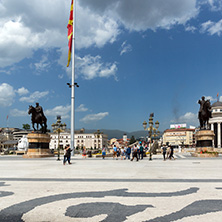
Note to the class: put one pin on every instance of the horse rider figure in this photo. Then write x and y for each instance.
(39, 110)
(204, 112)
(201, 102)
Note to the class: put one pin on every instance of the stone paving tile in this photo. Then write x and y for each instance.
(187, 189)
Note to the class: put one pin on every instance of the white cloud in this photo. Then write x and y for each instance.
(94, 29)
(91, 67)
(215, 5)
(81, 108)
(7, 95)
(62, 111)
(190, 28)
(34, 96)
(142, 15)
(26, 27)
(212, 27)
(94, 117)
(43, 64)
(210, 98)
(188, 118)
(16, 42)
(17, 113)
(60, 76)
(125, 48)
(22, 91)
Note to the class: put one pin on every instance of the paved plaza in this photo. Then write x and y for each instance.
(92, 189)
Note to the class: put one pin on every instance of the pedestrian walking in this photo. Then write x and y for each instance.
(104, 152)
(118, 151)
(84, 153)
(171, 153)
(115, 152)
(122, 153)
(128, 152)
(164, 150)
(67, 154)
(135, 153)
(141, 150)
(168, 152)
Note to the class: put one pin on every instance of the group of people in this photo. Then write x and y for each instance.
(137, 152)
(167, 152)
(131, 153)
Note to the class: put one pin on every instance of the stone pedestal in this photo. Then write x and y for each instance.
(204, 144)
(204, 138)
(38, 146)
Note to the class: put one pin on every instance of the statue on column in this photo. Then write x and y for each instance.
(204, 113)
(38, 117)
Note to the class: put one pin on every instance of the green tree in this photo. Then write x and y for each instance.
(132, 140)
(26, 126)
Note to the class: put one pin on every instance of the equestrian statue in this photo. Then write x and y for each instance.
(204, 113)
(38, 117)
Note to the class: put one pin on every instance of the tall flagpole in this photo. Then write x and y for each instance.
(73, 84)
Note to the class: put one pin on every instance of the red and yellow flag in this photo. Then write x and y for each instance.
(70, 33)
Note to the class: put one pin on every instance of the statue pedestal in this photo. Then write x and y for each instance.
(38, 146)
(204, 144)
(204, 138)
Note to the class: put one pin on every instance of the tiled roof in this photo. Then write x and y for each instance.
(180, 129)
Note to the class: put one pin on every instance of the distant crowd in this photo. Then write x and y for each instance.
(137, 152)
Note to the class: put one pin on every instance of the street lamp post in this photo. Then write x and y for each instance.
(152, 131)
(58, 127)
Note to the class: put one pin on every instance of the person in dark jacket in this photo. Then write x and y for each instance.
(141, 151)
(164, 150)
(128, 152)
(67, 154)
(171, 153)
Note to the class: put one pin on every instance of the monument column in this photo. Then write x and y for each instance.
(212, 128)
(218, 135)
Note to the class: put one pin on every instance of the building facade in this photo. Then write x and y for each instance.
(82, 140)
(216, 123)
(179, 137)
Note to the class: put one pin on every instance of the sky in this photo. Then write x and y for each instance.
(132, 58)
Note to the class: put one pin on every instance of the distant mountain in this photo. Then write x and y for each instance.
(119, 133)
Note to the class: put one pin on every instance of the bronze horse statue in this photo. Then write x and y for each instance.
(204, 115)
(38, 118)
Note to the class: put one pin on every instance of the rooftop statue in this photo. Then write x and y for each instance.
(38, 117)
(204, 113)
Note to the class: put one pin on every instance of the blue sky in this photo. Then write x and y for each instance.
(132, 58)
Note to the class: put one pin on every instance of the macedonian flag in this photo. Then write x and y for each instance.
(70, 33)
